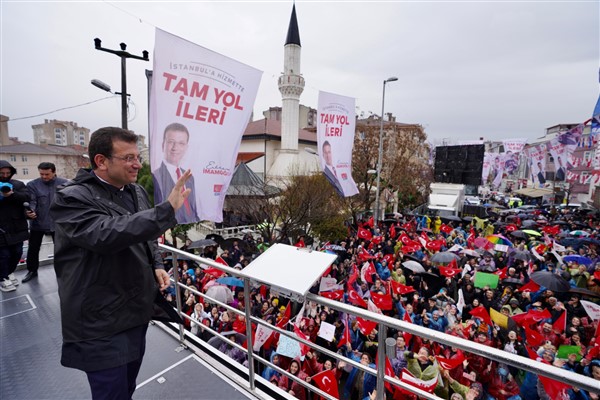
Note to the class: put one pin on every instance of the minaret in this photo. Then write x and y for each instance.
(291, 86)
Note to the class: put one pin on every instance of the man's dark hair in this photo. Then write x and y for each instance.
(102, 140)
(47, 165)
(176, 126)
(326, 143)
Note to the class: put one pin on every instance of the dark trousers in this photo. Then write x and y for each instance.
(10, 255)
(116, 383)
(33, 251)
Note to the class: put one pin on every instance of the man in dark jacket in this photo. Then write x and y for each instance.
(41, 191)
(107, 263)
(13, 225)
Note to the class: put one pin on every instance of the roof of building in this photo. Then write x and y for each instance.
(247, 157)
(244, 182)
(31, 148)
(272, 127)
(293, 35)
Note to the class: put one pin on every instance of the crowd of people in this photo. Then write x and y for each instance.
(533, 294)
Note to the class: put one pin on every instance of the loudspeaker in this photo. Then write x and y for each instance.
(459, 164)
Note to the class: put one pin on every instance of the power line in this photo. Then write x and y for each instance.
(60, 109)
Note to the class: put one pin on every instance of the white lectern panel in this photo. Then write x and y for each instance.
(290, 268)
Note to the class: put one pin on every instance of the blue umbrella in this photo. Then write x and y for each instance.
(231, 281)
(578, 259)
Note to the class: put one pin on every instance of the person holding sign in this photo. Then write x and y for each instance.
(175, 144)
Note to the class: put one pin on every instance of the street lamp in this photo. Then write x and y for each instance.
(124, 55)
(380, 156)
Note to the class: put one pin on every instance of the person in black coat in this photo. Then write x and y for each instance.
(13, 225)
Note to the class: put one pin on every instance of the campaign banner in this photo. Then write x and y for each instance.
(485, 170)
(537, 164)
(335, 137)
(514, 145)
(558, 151)
(495, 169)
(200, 105)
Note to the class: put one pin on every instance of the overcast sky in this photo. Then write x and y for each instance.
(470, 69)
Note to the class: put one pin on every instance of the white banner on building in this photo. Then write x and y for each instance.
(559, 153)
(200, 105)
(514, 145)
(537, 164)
(335, 138)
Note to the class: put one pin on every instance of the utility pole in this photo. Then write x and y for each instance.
(124, 56)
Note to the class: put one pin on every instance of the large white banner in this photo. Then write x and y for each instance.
(335, 138)
(537, 164)
(560, 155)
(200, 105)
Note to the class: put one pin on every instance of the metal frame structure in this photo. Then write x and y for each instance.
(571, 378)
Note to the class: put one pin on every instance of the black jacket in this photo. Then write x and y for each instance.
(105, 257)
(13, 222)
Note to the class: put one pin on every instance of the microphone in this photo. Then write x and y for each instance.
(27, 207)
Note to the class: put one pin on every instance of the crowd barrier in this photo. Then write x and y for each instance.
(522, 363)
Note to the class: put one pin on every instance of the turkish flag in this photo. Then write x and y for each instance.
(389, 258)
(327, 382)
(451, 363)
(530, 286)
(389, 371)
(392, 231)
(371, 222)
(433, 245)
(446, 229)
(511, 228)
(453, 263)
(410, 249)
(407, 336)
(554, 389)
(286, 317)
(220, 260)
(533, 338)
(449, 272)
(501, 273)
(537, 315)
(401, 289)
(560, 325)
(481, 313)
(365, 326)
(214, 272)
(353, 275)
(303, 347)
(363, 255)
(377, 239)
(407, 226)
(427, 386)
(354, 298)
(383, 301)
(364, 234)
(333, 294)
(367, 271)
(346, 336)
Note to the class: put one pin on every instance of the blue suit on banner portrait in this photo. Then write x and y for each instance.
(164, 183)
(331, 177)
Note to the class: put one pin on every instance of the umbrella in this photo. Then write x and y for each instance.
(519, 234)
(469, 252)
(532, 232)
(444, 257)
(528, 223)
(482, 243)
(180, 257)
(413, 266)
(551, 281)
(579, 233)
(247, 230)
(512, 281)
(468, 219)
(520, 255)
(231, 281)
(452, 218)
(217, 238)
(484, 253)
(584, 292)
(217, 341)
(334, 247)
(198, 244)
(220, 293)
(578, 259)
(499, 239)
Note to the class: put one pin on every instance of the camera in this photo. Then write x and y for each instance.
(6, 187)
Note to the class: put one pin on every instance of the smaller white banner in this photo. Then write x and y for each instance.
(326, 331)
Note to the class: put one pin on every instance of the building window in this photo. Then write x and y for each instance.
(587, 156)
(25, 171)
(57, 131)
(13, 158)
(24, 158)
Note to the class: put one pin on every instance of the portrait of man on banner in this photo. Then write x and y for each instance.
(175, 142)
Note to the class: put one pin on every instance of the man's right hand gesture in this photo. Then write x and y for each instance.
(179, 194)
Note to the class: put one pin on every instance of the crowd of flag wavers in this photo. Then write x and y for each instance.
(525, 280)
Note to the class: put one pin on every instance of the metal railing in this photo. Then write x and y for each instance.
(383, 322)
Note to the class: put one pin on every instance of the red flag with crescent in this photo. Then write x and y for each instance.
(383, 301)
(401, 289)
(327, 382)
(449, 272)
(364, 234)
(365, 326)
(389, 371)
(354, 298)
(333, 294)
(451, 363)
